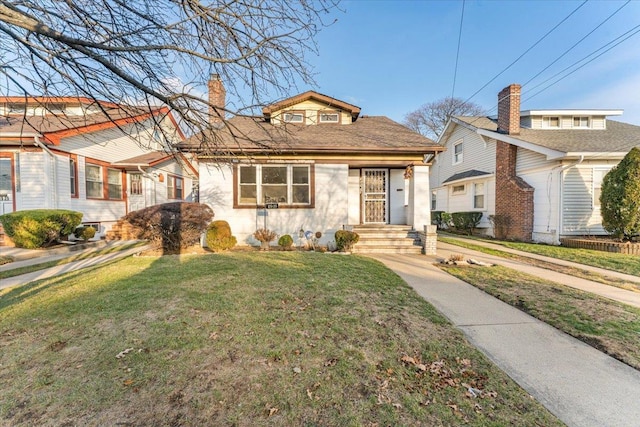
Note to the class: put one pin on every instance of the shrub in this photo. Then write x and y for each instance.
(39, 228)
(264, 236)
(285, 241)
(501, 225)
(466, 221)
(441, 219)
(620, 197)
(345, 240)
(219, 236)
(85, 232)
(171, 226)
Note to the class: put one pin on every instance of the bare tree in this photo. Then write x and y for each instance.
(431, 119)
(159, 52)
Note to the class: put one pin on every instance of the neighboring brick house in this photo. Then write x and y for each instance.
(97, 158)
(312, 162)
(538, 171)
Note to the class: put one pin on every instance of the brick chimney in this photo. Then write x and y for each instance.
(509, 110)
(217, 99)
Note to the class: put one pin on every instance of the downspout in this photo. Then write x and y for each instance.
(560, 193)
(36, 140)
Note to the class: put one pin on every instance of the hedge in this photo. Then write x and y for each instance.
(38, 228)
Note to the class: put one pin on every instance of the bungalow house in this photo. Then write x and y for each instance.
(100, 159)
(313, 163)
(538, 172)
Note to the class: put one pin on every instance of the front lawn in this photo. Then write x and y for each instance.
(246, 339)
(607, 325)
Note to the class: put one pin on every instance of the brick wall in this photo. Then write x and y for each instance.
(509, 110)
(217, 98)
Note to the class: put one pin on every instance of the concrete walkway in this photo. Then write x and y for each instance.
(579, 384)
(617, 294)
(27, 257)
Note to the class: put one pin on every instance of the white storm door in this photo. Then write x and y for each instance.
(374, 196)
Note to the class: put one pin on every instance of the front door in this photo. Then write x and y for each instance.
(374, 196)
(136, 192)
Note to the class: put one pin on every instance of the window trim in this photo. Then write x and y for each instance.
(174, 179)
(104, 176)
(484, 194)
(236, 186)
(131, 192)
(546, 122)
(327, 112)
(73, 174)
(294, 113)
(580, 126)
(458, 193)
(460, 158)
(434, 200)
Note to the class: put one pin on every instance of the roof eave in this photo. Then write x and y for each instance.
(550, 153)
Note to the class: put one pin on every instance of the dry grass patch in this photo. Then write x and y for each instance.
(607, 325)
(243, 339)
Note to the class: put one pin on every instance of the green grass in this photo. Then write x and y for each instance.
(78, 257)
(626, 262)
(622, 263)
(609, 326)
(280, 338)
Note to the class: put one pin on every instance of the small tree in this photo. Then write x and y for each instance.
(620, 197)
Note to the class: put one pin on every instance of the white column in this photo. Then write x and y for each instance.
(419, 212)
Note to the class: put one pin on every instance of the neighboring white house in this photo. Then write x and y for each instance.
(538, 171)
(100, 159)
(311, 162)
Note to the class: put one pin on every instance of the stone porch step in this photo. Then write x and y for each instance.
(398, 239)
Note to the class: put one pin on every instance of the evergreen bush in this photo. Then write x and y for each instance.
(620, 197)
(285, 241)
(39, 228)
(345, 240)
(219, 236)
(466, 221)
(85, 232)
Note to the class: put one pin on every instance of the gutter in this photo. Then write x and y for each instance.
(38, 143)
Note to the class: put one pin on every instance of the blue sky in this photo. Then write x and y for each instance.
(390, 57)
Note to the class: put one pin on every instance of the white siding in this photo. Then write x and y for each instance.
(329, 215)
(578, 213)
(545, 202)
(397, 197)
(527, 159)
(598, 122)
(34, 181)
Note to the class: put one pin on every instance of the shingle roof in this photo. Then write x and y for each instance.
(254, 134)
(617, 137)
(463, 175)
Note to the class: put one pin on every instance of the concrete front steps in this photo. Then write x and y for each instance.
(387, 239)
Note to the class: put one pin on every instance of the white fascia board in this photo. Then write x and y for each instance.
(571, 113)
(551, 154)
(590, 155)
(20, 134)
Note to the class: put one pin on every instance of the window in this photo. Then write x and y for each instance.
(293, 117)
(93, 178)
(73, 176)
(434, 198)
(55, 108)
(5, 179)
(282, 184)
(175, 185)
(328, 117)
(114, 181)
(135, 187)
(581, 122)
(478, 196)
(458, 189)
(551, 122)
(17, 108)
(457, 153)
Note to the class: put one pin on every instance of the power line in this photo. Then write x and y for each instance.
(455, 71)
(576, 43)
(527, 51)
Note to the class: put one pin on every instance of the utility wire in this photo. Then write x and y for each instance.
(455, 71)
(526, 51)
(577, 43)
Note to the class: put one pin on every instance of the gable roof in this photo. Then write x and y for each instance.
(331, 103)
(618, 138)
(370, 134)
(155, 158)
(464, 175)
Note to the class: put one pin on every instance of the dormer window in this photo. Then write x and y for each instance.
(328, 117)
(552, 122)
(581, 122)
(293, 117)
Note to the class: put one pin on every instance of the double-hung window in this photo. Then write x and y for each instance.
(93, 179)
(457, 153)
(288, 185)
(478, 195)
(73, 176)
(551, 122)
(581, 122)
(114, 184)
(175, 186)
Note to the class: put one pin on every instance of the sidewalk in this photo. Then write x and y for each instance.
(26, 257)
(617, 294)
(579, 384)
